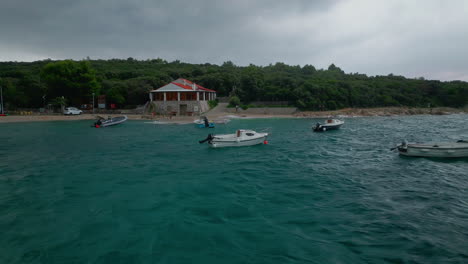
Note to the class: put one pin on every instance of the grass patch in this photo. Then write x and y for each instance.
(212, 103)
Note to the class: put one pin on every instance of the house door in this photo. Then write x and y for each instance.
(183, 109)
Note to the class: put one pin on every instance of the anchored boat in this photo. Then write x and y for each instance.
(242, 137)
(330, 124)
(110, 121)
(457, 149)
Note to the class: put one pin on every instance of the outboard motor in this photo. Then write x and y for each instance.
(404, 143)
(401, 147)
(210, 137)
(207, 124)
(97, 124)
(317, 127)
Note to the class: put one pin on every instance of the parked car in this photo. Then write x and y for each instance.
(72, 111)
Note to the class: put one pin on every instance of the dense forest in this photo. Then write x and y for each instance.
(126, 82)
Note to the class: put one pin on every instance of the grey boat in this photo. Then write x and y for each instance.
(457, 149)
(110, 121)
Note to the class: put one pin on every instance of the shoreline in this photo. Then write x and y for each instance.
(342, 113)
(384, 111)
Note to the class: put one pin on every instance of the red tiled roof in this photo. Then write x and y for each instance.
(184, 84)
(189, 87)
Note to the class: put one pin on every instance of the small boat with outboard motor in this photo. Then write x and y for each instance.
(242, 137)
(203, 122)
(330, 124)
(457, 149)
(110, 121)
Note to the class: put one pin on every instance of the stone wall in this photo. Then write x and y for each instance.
(173, 107)
(264, 110)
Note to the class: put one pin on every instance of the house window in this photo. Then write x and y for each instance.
(188, 96)
(191, 96)
(171, 96)
(159, 96)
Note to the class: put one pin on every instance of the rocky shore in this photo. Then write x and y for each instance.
(383, 111)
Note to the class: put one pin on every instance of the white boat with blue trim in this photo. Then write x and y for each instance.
(203, 122)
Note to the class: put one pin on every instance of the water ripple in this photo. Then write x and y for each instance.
(144, 193)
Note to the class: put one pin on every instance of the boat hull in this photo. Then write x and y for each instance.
(113, 121)
(330, 124)
(210, 125)
(324, 128)
(433, 152)
(235, 143)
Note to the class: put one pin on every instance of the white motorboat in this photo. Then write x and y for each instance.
(110, 121)
(330, 124)
(242, 137)
(457, 149)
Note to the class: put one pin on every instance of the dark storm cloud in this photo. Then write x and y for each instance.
(192, 30)
(418, 38)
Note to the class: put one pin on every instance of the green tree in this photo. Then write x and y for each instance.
(13, 96)
(59, 102)
(127, 81)
(76, 81)
(234, 101)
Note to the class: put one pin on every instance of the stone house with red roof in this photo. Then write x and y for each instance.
(181, 97)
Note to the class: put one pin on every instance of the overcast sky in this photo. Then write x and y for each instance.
(414, 38)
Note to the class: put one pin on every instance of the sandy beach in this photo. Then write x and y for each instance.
(38, 118)
(221, 115)
(174, 119)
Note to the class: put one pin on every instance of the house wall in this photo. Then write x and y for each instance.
(173, 107)
(184, 96)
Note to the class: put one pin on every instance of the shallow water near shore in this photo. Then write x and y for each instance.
(146, 193)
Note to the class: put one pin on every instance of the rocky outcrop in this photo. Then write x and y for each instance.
(383, 111)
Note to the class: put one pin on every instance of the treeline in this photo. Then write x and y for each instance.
(126, 82)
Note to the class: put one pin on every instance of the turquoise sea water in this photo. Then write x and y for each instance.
(145, 193)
